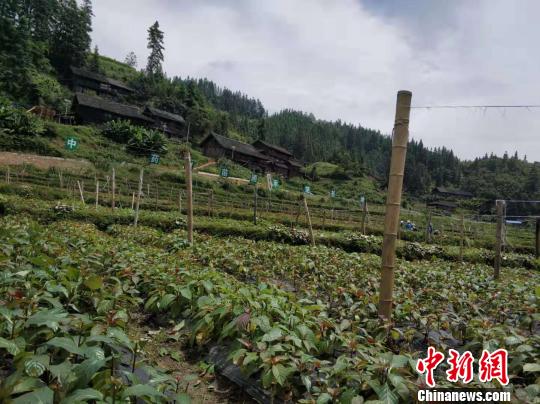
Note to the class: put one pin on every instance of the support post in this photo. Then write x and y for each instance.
(133, 201)
(308, 217)
(81, 192)
(393, 201)
(113, 189)
(498, 242)
(255, 204)
(429, 228)
(180, 201)
(8, 175)
(461, 238)
(364, 217)
(139, 193)
(97, 194)
(537, 238)
(189, 191)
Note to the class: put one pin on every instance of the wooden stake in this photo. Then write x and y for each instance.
(113, 190)
(461, 238)
(364, 217)
(8, 175)
(255, 204)
(498, 243)
(308, 217)
(133, 201)
(81, 192)
(393, 201)
(189, 191)
(97, 194)
(139, 193)
(323, 218)
(429, 228)
(180, 201)
(210, 203)
(537, 238)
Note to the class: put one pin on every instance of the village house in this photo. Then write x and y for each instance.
(169, 123)
(92, 109)
(283, 160)
(217, 146)
(448, 193)
(82, 80)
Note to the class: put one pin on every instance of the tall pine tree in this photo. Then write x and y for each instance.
(155, 44)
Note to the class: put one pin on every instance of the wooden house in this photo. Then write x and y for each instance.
(283, 160)
(449, 193)
(91, 109)
(445, 206)
(217, 146)
(172, 124)
(82, 80)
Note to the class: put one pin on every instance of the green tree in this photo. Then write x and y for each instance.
(155, 44)
(70, 40)
(93, 62)
(261, 129)
(131, 59)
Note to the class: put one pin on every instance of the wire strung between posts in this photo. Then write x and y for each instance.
(472, 106)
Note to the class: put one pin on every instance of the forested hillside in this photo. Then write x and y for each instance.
(39, 40)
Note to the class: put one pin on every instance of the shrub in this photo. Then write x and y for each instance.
(140, 141)
(119, 131)
(49, 91)
(15, 121)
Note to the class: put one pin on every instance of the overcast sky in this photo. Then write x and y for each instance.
(346, 59)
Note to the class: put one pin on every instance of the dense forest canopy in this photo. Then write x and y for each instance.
(40, 39)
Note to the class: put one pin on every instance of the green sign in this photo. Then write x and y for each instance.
(275, 184)
(224, 172)
(154, 158)
(71, 143)
(362, 201)
(307, 189)
(253, 179)
(333, 193)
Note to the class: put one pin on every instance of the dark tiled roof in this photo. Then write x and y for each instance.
(169, 116)
(456, 192)
(239, 147)
(123, 110)
(443, 204)
(272, 146)
(295, 163)
(99, 77)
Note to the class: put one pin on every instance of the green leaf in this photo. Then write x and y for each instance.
(82, 395)
(26, 383)
(10, 346)
(43, 395)
(324, 398)
(183, 398)
(34, 368)
(185, 292)
(65, 343)
(531, 367)
(94, 282)
(274, 334)
(141, 390)
(49, 318)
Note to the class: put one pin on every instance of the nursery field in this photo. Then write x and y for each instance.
(96, 310)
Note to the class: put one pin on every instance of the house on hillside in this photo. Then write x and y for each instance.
(449, 193)
(171, 124)
(283, 160)
(217, 146)
(445, 206)
(92, 109)
(82, 80)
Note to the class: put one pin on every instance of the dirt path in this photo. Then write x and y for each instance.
(43, 162)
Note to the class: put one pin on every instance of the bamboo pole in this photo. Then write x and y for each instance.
(393, 201)
(189, 191)
(81, 192)
(364, 217)
(255, 204)
(97, 193)
(537, 238)
(461, 238)
(498, 243)
(429, 228)
(113, 189)
(133, 201)
(139, 193)
(308, 217)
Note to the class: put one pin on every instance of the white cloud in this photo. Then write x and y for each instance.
(344, 60)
